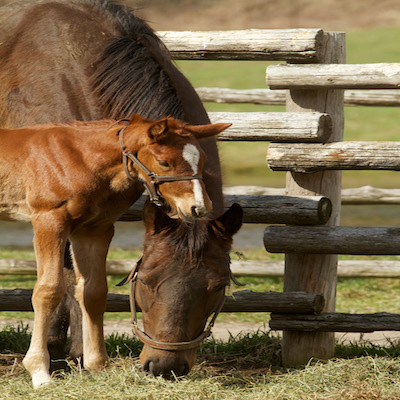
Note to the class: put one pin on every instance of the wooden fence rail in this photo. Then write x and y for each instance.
(332, 240)
(312, 210)
(336, 322)
(340, 76)
(312, 157)
(274, 126)
(253, 44)
(243, 301)
(381, 98)
(364, 268)
(364, 195)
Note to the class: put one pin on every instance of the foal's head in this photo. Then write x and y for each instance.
(170, 149)
(180, 283)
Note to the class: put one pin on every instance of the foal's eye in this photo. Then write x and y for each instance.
(164, 164)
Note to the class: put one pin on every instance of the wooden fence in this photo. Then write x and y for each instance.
(307, 138)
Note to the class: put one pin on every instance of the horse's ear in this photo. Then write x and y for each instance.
(230, 222)
(155, 219)
(205, 131)
(158, 129)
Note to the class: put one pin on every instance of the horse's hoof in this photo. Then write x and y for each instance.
(40, 379)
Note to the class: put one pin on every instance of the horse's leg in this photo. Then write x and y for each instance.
(67, 314)
(89, 253)
(49, 241)
(60, 320)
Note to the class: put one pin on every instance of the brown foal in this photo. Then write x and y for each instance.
(70, 182)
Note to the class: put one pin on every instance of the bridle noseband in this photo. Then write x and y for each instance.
(154, 179)
(145, 338)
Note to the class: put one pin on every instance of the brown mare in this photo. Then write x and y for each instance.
(70, 182)
(89, 60)
(173, 329)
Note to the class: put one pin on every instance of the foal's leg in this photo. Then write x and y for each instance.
(49, 242)
(67, 314)
(89, 253)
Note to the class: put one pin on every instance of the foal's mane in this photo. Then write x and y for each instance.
(132, 73)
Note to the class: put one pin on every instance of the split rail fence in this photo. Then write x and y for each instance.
(307, 142)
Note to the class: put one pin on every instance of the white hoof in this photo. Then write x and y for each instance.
(40, 379)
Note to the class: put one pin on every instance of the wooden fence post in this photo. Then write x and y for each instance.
(309, 272)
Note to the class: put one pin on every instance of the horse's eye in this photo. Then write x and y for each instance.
(142, 282)
(219, 288)
(164, 164)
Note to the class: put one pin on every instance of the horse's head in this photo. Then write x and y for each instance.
(180, 283)
(173, 162)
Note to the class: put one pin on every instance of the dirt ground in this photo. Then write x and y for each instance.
(224, 329)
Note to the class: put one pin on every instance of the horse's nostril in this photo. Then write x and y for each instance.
(146, 365)
(185, 368)
(157, 367)
(195, 211)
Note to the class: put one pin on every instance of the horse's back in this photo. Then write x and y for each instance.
(47, 55)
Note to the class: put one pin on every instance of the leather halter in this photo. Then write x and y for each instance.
(155, 179)
(145, 338)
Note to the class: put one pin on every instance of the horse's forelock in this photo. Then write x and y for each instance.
(188, 241)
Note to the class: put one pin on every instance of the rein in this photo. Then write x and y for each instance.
(144, 337)
(152, 187)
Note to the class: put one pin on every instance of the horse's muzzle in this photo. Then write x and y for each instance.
(166, 367)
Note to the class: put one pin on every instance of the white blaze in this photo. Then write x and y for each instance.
(191, 154)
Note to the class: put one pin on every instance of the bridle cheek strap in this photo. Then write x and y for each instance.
(178, 346)
(154, 179)
(146, 339)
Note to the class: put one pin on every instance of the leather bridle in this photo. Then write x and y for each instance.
(152, 186)
(145, 338)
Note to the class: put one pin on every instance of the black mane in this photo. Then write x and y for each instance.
(130, 77)
(188, 241)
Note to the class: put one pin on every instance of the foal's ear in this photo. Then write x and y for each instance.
(155, 219)
(158, 129)
(205, 131)
(230, 222)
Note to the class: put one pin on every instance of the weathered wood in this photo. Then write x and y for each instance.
(364, 195)
(309, 272)
(336, 322)
(243, 301)
(365, 268)
(370, 195)
(312, 210)
(312, 157)
(332, 240)
(375, 98)
(275, 126)
(256, 268)
(334, 76)
(252, 44)
(254, 96)
(248, 301)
